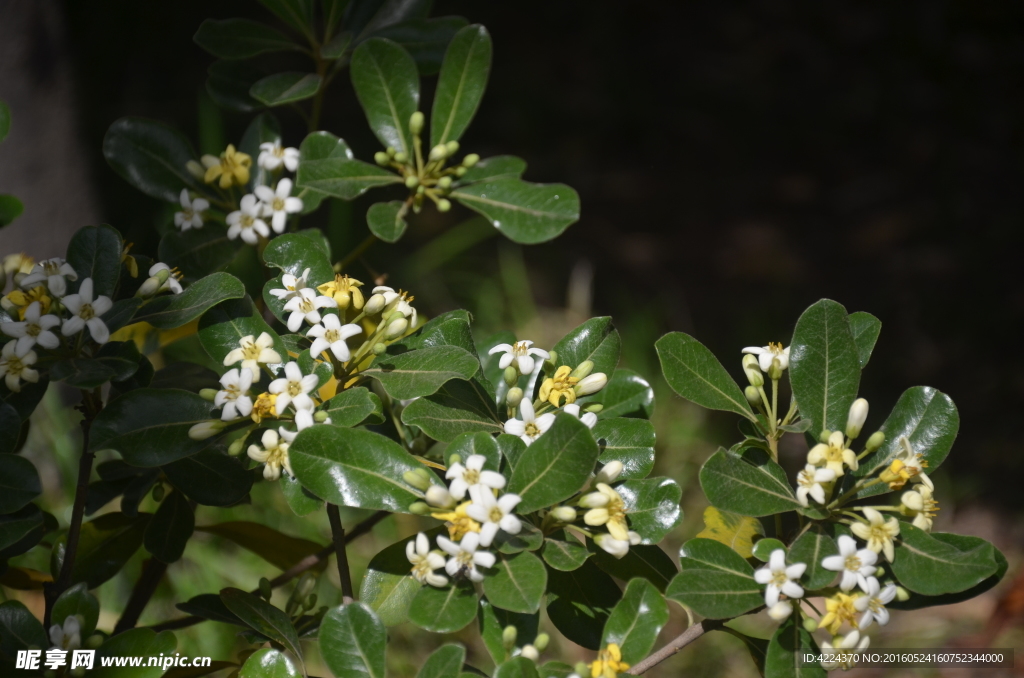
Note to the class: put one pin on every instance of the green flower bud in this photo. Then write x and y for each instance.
(206, 429)
(444, 183)
(306, 585)
(508, 637)
(266, 590)
(582, 669)
(390, 150)
(94, 641)
(320, 417)
(416, 122)
(753, 371)
(443, 205)
(902, 594)
(381, 158)
(514, 397)
(401, 157)
(397, 328)
(454, 459)
(416, 480)
(208, 394)
(541, 641)
(511, 375)
(452, 147)
(419, 508)
(470, 160)
(158, 492)
(752, 394)
(460, 171)
(875, 441)
(775, 371)
(310, 602)
(855, 420)
(824, 436)
(551, 364)
(583, 369)
(810, 625)
(379, 349)
(236, 446)
(439, 152)
(412, 181)
(593, 407)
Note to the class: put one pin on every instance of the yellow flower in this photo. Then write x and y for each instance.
(18, 263)
(344, 290)
(20, 301)
(833, 455)
(877, 532)
(232, 167)
(561, 385)
(898, 474)
(838, 609)
(608, 663)
(459, 522)
(265, 406)
(608, 510)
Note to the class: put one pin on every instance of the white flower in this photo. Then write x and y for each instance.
(855, 565)
(920, 504)
(246, 221)
(392, 300)
(780, 611)
(833, 454)
(914, 462)
(780, 578)
(274, 452)
(55, 272)
(306, 306)
(68, 637)
(610, 472)
(332, 334)
(841, 645)
(873, 603)
(424, 561)
(273, 155)
(252, 352)
(234, 397)
(809, 482)
(519, 355)
(171, 284)
(767, 354)
(464, 556)
(466, 477)
(493, 513)
(530, 427)
(588, 418)
(293, 387)
(86, 312)
(303, 419)
(877, 532)
(15, 366)
(611, 545)
(191, 214)
(292, 285)
(35, 329)
(278, 204)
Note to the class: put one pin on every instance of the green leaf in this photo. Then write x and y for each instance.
(105, 545)
(352, 407)
(458, 407)
(176, 310)
(285, 88)
(197, 251)
(524, 212)
(24, 401)
(240, 38)
(263, 618)
(77, 600)
(300, 500)
(83, 373)
(19, 480)
(493, 621)
(221, 328)
(133, 643)
(341, 177)
(95, 252)
(529, 539)
(579, 603)
(627, 394)
(19, 630)
(10, 434)
(495, 167)
(748, 483)
(932, 567)
(735, 531)
(824, 365)
(962, 543)
(20, 530)
(652, 506)
(563, 553)
(170, 528)
(210, 478)
(150, 156)
(645, 561)
(715, 581)
(367, 17)
(322, 369)
(630, 441)
(865, 328)
(268, 663)
(783, 657)
(764, 547)
(695, 373)
(517, 667)
(517, 582)
(353, 642)
(596, 340)
(10, 209)
(296, 13)
(386, 220)
(388, 587)
(423, 372)
(444, 662)
(556, 466)
(424, 39)
(210, 606)
(554, 669)
(149, 427)
(388, 86)
(337, 46)
(484, 444)
(461, 84)
(812, 546)
(295, 252)
(353, 467)
(444, 610)
(636, 620)
(228, 84)
(279, 549)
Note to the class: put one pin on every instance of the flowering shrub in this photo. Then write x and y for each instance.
(532, 462)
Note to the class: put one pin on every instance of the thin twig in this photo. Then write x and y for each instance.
(338, 536)
(152, 572)
(675, 645)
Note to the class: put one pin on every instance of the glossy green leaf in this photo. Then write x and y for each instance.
(353, 642)
(240, 38)
(812, 546)
(636, 620)
(352, 407)
(555, 669)
(222, 327)
(228, 84)
(19, 630)
(458, 407)
(77, 600)
(386, 220)
(176, 310)
(517, 667)
(285, 88)
(461, 84)
(524, 212)
(268, 663)
(342, 178)
(321, 368)
(170, 528)
(764, 547)
(963, 543)
(932, 567)
(10, 434)
(279, 549)
(10, 209)
(563, 553)
(554, 467)
(388, 86)
(210, 478)
(715, 581)
(492, 621)
(627, 394)
(735, 531)
(20, 530)
(481, 443)
(512, 449)
(150, 156)
(115, 361)
(652, 506)
(263, 618)
(95, 252)
(696, 374)
(865, 328)
(448, 329)
(295, 252)
(149, 427)
(296, 13)
(354, 467)
(210, 606)
(630, 441)
(337, 46)
(493, 168)
(137, 490)
(197, 252)
(423, 372)
(19, 480)
(444, 662)
(529, 539)
(444, 610)
(105, 545)
(596, 340)
(647, 561)
(424, 39)
(368, 17)
(748, 483)
(388, 587)
(517, 582)
(782, 659)
(579, 603)
(133, 643)
(824, 365)
(300, 500)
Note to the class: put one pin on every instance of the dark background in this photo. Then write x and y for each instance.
(735, 162)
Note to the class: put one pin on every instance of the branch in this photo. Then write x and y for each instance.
(152, 572)
(338, 536)
(675, 645)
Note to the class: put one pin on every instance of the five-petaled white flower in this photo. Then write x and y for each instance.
(466, 477)
(464, 556)
(588, 418)
(35, 329)
(424, 561)
(252, 352)
(873, 603)
(293, 388)
(519, 355)
(780, 578)
(292, 285)
(86, 312)
(54, 272)
(493, 513)
(15, 365)
(331, 334)
(278, 203)
(246, 221)
(306, 306)
(809, 482)
(877, 532)
(234, 397)
(69, 636)
(273, 155)
(847, 646)
(768, 354)
(530, 426)
(274, 453)
(856, 565)
(171, 284)
(191, 214)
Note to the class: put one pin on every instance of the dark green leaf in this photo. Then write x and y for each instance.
(715, 581)
(563, 553)
(20, 629)
(596, 340)
(228, 84)
(512, 449)
(388, 587)
(636, 620)
(133, 643)
(517, 582)
(652, 506)
(492, 621)
(338, 45)
(468, 444)
(526, 213)
(95, 252)
(296, 13)
(352, 407)
(120, 357)
(105, 545)
(279, 549)
(285, 88)
(176, 310)
(783, 657)
(461, 84)
(424, 39)
(764, 547)
(142, 378)
(210, 606)
(24, 401)
(221, 328)
(963, 543)
(748, 483)
(295, 252)
(21, 530)
(444, 610)
(646, 561)
(10, 433)
(150, 156)
(528, 539)
(627, 394)
(388, 86)
(926, 565)
(240, 38)
(695, 373)
(210, 478)
(630, 441)
(386, 220)
(19, 480)
(579, 603)
(496, 167)
(517, 667)
(83, 373)
(198, 251)
(368, 17)
(263, 618)
(458, 407)
(10, 209)
(328, 167)
(353, 642)
(812, 546)
(301, 501)
(555, 669)
(170, 528)
(556, 466)
(137, 490)
(423, 372)
(444, 662)
(268, 663)
(865, 328)
(77, 600)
